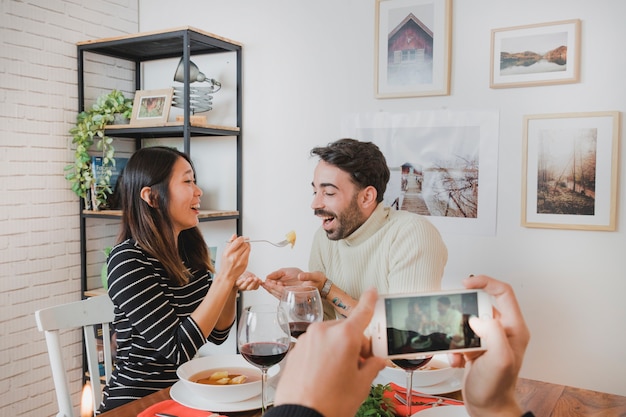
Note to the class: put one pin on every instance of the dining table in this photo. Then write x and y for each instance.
(544, 399)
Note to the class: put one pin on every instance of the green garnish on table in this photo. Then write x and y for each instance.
(376, 404)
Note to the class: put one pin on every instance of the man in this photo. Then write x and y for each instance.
(449, 319)
(361, 243)
(339, 354)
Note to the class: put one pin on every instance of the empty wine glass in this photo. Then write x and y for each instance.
(263, 340)
(410, 365)
(303, 305)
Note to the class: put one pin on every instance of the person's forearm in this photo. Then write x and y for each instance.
(217, 309)
(229, 311)
(341, 301)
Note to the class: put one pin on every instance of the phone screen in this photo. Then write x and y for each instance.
(430, 323)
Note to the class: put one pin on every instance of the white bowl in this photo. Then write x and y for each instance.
(435, 372)
(203, 367)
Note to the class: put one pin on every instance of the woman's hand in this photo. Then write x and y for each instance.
(248, 282)
(234, 260)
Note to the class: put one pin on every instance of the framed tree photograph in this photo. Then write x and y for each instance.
(151, 107)
(413, 41)
(570, 170)
(539, 54)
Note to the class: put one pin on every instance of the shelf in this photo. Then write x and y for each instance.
(169, 129)
(95, 292)
(183, 43)
(160, 44)
(204, 215)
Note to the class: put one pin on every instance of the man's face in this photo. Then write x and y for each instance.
(336, 201)
(442, 308)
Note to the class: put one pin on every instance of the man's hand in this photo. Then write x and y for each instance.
(331, 367)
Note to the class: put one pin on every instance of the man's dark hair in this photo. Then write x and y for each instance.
(444, 300)
(364, 161)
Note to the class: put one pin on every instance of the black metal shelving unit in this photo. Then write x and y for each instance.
(182, 42)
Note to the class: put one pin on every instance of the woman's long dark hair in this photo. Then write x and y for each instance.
(151, 225)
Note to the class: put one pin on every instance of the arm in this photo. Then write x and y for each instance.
(278, 280)
(144, 302)
(491, 376)
(139, 289)
(217, 309)
(337, 353)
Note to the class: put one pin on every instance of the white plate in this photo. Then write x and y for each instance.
(451, 384)
(445, 411)
(182, 395)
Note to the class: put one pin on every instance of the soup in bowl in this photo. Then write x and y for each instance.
(223, 378)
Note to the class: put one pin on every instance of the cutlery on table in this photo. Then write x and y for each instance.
(438, 401)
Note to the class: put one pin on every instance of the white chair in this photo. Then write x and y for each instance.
(86, 313)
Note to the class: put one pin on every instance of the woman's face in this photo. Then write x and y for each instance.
(184, 197)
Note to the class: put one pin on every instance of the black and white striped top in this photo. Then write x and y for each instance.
(154, 331)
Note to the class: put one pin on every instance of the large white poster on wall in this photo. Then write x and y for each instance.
(443, 163)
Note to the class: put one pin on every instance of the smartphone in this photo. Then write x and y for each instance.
(424, 324)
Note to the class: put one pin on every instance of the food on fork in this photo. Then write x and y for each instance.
(291, 238)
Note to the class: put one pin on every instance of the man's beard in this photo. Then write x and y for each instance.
(346, 222)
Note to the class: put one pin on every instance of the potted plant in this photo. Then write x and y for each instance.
(89, 128)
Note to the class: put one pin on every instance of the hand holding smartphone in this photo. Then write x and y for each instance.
(412, 325)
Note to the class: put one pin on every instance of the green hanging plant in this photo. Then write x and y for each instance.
(103, 270)
(89, 128)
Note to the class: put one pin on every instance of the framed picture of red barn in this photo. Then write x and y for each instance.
(413, 41)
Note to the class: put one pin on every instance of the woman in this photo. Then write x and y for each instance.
(168, 298)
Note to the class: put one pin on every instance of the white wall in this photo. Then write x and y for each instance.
(39, 237)
(306, 64)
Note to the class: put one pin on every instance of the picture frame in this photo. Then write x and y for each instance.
(413, 44)
(443, 164)
(151, 107)
(537, 54)
(570, 166)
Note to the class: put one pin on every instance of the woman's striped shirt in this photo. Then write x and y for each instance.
(154, 331)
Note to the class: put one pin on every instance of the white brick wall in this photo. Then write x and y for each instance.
(39, 238)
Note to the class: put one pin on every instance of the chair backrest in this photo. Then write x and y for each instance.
(86, 314)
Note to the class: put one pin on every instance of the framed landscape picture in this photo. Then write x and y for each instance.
(570, 170)
(413, 41)
(540, 54)
(151, 107)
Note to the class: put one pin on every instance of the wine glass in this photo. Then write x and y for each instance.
(303, 305)
(263, 339)
(410, 365)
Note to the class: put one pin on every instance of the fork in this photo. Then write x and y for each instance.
(280, 244)
(439, 400)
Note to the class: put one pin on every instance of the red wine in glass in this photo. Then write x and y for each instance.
(303, 305)
(412, 364)
(298, 327)
(263, 339)
(409, 365)
(264, 354)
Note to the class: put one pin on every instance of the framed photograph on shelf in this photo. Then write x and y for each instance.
(151, 107)
(540, 54)
(413, 41)
(570, 164)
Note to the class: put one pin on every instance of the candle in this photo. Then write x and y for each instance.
(86, 401)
